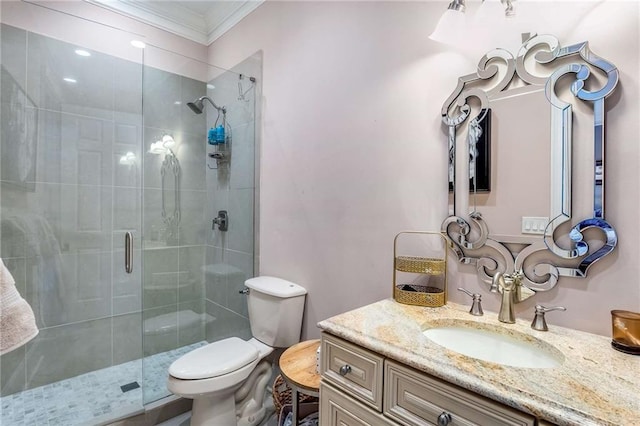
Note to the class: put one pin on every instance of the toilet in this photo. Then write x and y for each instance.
(227, 379)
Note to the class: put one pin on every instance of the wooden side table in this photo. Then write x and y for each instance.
(298, 366)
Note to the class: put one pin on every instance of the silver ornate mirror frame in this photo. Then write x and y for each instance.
(471, 240)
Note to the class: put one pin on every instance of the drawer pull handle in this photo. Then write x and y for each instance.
(345, 369)
(444, 419)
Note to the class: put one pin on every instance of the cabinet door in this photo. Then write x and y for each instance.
(336, 409)
(352, 369)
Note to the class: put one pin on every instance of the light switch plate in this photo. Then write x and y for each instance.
(534, 225)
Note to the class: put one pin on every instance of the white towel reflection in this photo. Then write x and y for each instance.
(44, 265)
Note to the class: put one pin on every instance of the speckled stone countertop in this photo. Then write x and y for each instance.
(595, 385)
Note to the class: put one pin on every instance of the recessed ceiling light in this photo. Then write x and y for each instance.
(139, 44)
(81, 52)
(70, 80)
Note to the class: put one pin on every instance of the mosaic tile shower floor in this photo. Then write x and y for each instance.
(92, 398)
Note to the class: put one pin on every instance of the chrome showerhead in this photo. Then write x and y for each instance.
(197, 106)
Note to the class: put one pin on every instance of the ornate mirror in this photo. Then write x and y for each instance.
(514, 163)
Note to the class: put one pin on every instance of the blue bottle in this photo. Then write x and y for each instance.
(219, 138)
(211, 136)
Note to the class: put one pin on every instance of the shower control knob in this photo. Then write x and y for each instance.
(222, 221)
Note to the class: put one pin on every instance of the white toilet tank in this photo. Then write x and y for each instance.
(275, 310)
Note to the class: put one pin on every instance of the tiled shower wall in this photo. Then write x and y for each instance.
(60, 231)
(173, 278)
(67, 200)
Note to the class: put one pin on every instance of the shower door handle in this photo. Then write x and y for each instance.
(128, 252)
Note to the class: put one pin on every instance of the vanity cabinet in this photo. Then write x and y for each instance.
(337, 409)
(354, 370)
(415, 398)
(360, 387)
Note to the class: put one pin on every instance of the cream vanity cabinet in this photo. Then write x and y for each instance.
(360, 387)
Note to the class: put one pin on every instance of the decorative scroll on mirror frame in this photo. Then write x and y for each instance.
(545, 258)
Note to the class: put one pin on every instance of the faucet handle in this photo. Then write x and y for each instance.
(539, 322)
(476, 306)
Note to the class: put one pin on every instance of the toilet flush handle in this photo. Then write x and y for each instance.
(244, 291)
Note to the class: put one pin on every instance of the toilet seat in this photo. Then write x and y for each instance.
(215, 359)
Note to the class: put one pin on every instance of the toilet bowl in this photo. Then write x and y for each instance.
(227, 379)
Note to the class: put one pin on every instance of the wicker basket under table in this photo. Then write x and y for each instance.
(282, 394)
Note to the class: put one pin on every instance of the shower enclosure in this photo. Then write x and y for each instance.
(97, 147)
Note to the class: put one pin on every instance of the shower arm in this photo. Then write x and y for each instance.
(223, 109)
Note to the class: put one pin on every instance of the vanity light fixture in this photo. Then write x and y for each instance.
(163, 145)
(129, 159)
(452, 24)
(168, 141)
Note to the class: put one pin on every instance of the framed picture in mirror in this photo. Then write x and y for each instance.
(479, 142)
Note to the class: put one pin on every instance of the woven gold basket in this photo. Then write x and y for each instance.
(420, 268)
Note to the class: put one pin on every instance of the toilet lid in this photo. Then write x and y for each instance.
(213, 360)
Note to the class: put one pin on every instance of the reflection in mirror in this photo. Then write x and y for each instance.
(479, 142)
(170, 175)
(524, 224)
(521, 147)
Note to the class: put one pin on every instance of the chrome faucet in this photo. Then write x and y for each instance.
(507, 284)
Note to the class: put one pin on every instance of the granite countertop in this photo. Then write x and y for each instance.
(595, 385)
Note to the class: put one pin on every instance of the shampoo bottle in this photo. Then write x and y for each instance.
(211, 136)
(220, 134)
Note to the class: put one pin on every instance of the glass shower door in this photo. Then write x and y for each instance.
(71, 174)
(193, 272)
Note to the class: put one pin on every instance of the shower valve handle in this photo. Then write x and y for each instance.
(222, 221)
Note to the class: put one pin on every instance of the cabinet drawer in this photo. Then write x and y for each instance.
(413, 398)
(356, 371)
(336, 409)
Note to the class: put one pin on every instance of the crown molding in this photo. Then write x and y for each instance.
(231, 19)
(177, 19)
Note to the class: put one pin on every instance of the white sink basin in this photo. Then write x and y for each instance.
(495, 344)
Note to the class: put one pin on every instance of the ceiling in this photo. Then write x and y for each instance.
(201, 21)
